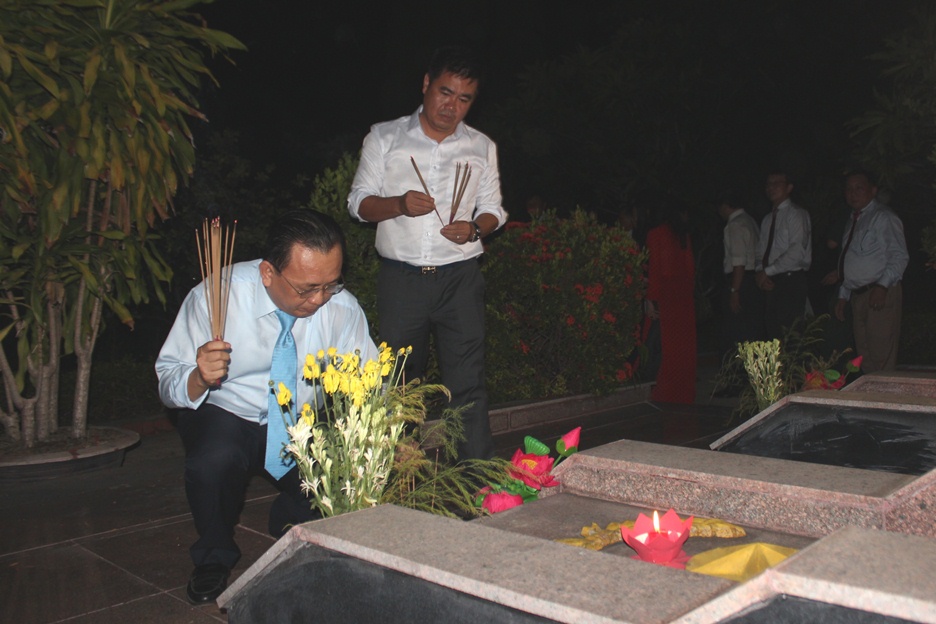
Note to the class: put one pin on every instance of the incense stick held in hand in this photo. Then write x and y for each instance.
(460, 187)
(215, 251)
(425, 188)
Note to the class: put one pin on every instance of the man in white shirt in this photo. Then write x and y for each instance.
(222, 385)
(874, 256)
(429, 233)
(743, 308)
(784, 254)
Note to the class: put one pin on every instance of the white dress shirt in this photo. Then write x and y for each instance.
(878, 250)
(740, 241)
(385, 170)
(792, 243)
(252, 328)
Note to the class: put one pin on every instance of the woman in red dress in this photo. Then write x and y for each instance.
(670, 299)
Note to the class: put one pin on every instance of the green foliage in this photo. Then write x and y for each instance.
(563, 306)
(762, 363)
(539, 277)
(781, 373)
(330, 196)
(898, 136)
(95, 98)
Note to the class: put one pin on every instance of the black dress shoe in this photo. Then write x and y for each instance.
(207, 582)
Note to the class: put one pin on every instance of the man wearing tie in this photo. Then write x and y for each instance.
(282, 307)
(784, 253)
(874, 256)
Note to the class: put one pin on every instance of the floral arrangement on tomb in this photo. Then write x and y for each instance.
(830, 379)
(364, 440)
(530, 471)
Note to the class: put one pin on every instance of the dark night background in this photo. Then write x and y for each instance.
(718, 92)
(789, 73)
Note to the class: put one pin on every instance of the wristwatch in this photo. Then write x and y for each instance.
(477, 232)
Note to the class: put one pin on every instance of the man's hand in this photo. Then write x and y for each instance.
(763, 281)
(840, 309)
(877, 297)
(734, 302)
(416, 204)
(211, 360)
(459, 232)
(832, 277)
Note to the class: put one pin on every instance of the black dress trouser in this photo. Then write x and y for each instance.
(222, 453)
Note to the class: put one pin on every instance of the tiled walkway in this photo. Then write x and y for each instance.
(112, 545)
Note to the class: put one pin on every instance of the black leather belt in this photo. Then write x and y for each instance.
(425, 270)
(863, 289)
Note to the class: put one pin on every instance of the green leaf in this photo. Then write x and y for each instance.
(6, 330)
(534, 446)
(91, 70)
(39, 76)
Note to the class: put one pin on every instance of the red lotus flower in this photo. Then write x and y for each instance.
(535, 470)
(495, 502)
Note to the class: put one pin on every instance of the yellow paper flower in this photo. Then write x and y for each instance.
(284, 396)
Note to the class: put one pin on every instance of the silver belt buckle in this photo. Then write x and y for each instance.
(427, 270)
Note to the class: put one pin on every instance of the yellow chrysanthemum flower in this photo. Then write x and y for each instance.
(307, 414)
(312, 369)
(284, 396)
(330, 379)
(385, 353)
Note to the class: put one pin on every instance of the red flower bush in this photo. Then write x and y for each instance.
(563, 307)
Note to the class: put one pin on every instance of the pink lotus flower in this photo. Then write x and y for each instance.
(534, 469)
(568, 443)
(495, 502)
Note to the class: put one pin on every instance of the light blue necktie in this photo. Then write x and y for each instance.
(283, 370)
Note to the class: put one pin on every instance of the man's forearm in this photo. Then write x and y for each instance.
(196, 386)
(376, 209)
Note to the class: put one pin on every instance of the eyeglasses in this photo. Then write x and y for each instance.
(327, 290)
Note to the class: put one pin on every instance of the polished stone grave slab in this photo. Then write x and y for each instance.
(508, 572)
(867, 431)
(903, 383)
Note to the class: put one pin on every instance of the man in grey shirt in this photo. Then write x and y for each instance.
(874, 256)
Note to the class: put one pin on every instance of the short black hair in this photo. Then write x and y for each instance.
(729, 197)
(459, 60)
(860, 171)
(308, 228)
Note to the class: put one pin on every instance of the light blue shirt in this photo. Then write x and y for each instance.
(385, 170)
(792, 243)
(252, 328)
(878, 250)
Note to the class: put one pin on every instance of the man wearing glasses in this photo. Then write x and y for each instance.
(431, 183)
(222, 385)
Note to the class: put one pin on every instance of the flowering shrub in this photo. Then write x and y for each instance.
(563, 307)
(529, 471)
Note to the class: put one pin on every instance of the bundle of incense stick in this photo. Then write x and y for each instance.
(215, 251)
(425, 188)
(460, 187)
